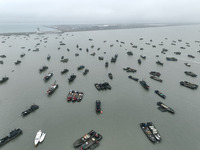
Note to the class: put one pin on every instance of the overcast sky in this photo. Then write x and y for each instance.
(99, 11)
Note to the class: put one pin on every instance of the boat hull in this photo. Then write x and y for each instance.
(83, 139)
(147, 132)
(37, 138)
(13, 134)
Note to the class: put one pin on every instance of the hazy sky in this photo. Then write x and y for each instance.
(99, 11)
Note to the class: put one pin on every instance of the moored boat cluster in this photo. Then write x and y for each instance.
(74, 96)
(151, 132)
(102, 86)
(89, 141)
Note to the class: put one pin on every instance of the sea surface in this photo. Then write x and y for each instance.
(18, 27)
(124, 107)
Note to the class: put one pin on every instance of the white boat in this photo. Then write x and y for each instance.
(42, 137)
(37, 137)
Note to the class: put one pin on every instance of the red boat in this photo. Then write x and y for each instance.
(52, 88)
(75, 95)
(70, 95)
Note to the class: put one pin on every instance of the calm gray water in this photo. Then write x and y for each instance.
(18, 27)
(124, 107)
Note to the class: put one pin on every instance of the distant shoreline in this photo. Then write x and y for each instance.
(26, 33)
(100, 27)
(91, 27)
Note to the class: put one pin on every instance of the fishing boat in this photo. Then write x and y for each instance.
(147, 132)
(160, 94)
(129, 69)
(72, 77)
(31, 109)
(64, 60)
(80, 96)
(37, 137)
(171, 59)
(97, 86)
(110, 76)
(100, 58)
(162, 107)
(114, 59)
(133, 78)
(102, 86)
(143, 57)
(187, 64)
(3, 56)
(52, 88)
(80, 67)
(64, 71)
(154, 131)
(70, 94)
(22, 55)
(154, 73)
(159, 63)
(106, 64)
(75, 95)
(177, 53)
(130, 53)
(83, 139)
(156, 78)
(48, 57)
(189, 85)
(85, 71)
(189, 73)
(191, 56)
(144, 84)
(106, 86)
(92, 142)
(13, 134)
(42, 137)
(93, 54)
(98, 106)
(43, 68)
(139, 61)
(17, 62)
(48, 76)
(4, 79)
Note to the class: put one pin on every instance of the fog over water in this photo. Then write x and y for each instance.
(99, 11)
